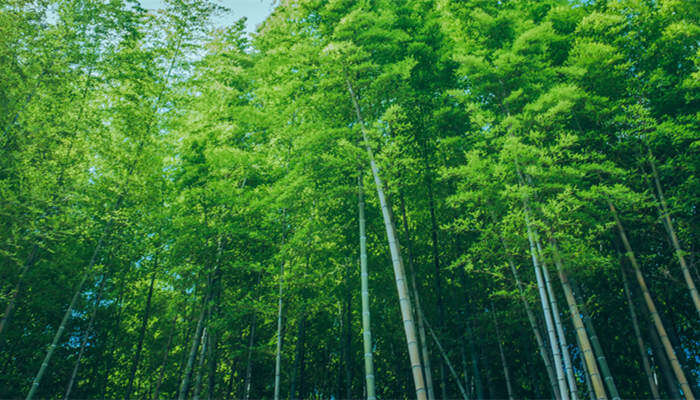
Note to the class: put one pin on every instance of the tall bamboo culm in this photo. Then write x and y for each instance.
(364, 277)
(658, 324)
(396, 260)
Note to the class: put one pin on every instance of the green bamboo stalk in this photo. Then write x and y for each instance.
(638, 334)
(584, 341)
(364, 277)
(533, 324)
(674, 239)
(397, 261)
(549, 323)
(670, 353)
(568, 367)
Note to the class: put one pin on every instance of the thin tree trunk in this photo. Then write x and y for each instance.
(212, 364)
(568, 367)
(214, 311)
(338, 390)
(445, 358)
(108, 363)
(674, 239)
(249, 362)
(200, 366)
(533, 324)
(598, 349)
(584, 341)
(186, 336)
(83, 342)
(142, 335)
(348, 346)
(278, 356)
(670, 353)
(64, 321)
(425, 353)
(506, 372)
(400, 275)
(187, 376)
(664, 365)
(298, 375)
(463, 353)
(165, 360)
(553, 342)
(436, 264)
(586, 376)
(654, 390)
(364, 278)
(478, 385)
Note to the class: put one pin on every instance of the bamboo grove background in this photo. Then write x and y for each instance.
(364, 199)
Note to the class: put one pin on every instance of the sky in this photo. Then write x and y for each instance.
(255, 10)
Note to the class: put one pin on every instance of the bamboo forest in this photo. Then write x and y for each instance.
(352, 199)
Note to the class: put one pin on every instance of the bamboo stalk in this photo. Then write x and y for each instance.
(397, 262)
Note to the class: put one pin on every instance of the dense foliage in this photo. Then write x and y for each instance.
(186, 210)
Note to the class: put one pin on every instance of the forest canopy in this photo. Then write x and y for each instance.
(378, 199)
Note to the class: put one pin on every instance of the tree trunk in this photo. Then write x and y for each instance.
(598, 350)
(83, 342)
(187, 376)
(670, 353)
(397, 262)
(214, 311)
(478, 385)
(108, 363)
(463, 353)
(568, 367)
(506, 372)
(186, 336)
(553, 342)
(249, 362)
(142, 335)
(586, 375)
(212, 333)
(425, 354)
(64, 321)
(533, 324)
(478, 382)
(364, 278)
(348, 347)
(165, 360)
(583, 339)
(436, 263)
(664, 365)
(200, 366)
(654, 390)
(674, 239)
(298, 375)
(278, 356)
(445, 358)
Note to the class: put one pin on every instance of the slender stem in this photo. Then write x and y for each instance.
(83, 342)
(670, 353)
(638, 334)
(397, 262)
(445, 358)
(278, 354)
(583, 339)
(553, 342)
(533, 323)
(558, 325)
(506, 372)
(674, 239)
(364, 278)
